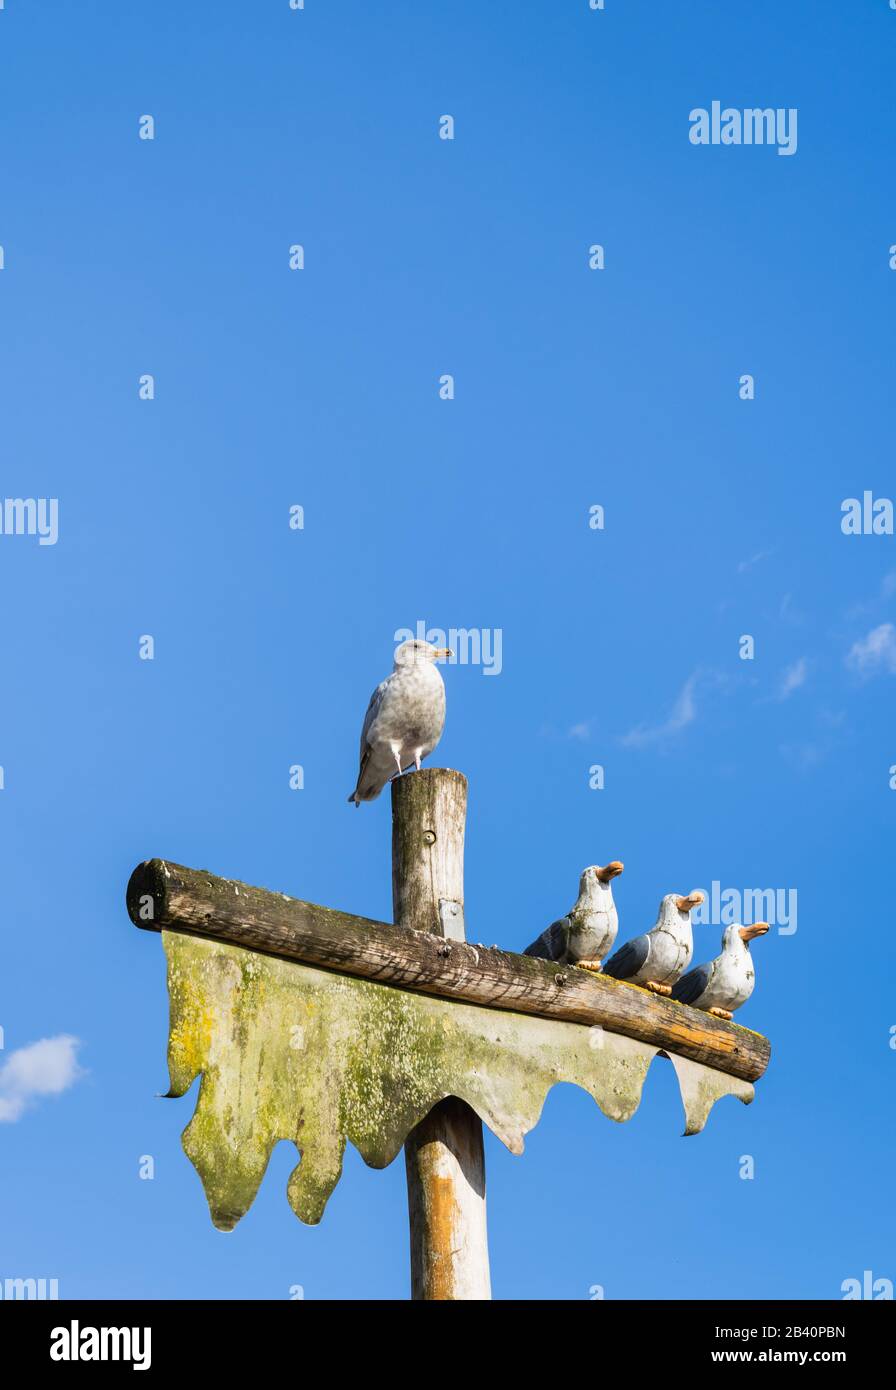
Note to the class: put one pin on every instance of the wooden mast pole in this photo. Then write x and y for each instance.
(444, 1152)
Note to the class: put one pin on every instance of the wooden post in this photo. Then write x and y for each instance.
(444, 1154)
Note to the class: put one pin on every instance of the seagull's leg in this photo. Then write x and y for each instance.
(658, 989)
(721, 1013)
(593, 965)
(396, 753)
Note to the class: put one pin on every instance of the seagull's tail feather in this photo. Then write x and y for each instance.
(364, 794)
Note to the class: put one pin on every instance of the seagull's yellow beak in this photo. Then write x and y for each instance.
(610, 870)
(692, 900)
(758, 929)
(442, 653)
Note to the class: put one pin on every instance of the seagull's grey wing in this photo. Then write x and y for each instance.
(551, 945)
(692, 985)
(373, 710)
(627, 961)
(371, 778)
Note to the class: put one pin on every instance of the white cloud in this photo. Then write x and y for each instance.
(44, 1068)
(683, 713)
(753, 560)
(582, 730)
(874, 653)
(887, 590)
(793, 677)
(804, 755)
(789, 613)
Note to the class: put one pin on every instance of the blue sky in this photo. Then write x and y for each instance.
(573, 388)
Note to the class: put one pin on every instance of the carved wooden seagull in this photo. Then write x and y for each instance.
(404, 720)
(657, 958)
(722, 985)
(587, 932)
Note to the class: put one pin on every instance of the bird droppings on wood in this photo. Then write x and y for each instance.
(288, 1051)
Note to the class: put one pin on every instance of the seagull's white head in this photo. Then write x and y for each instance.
(595, 881)
(737, 937)
(676, 908)
(415, 652)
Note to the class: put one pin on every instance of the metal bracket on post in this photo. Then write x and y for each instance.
(451, 916)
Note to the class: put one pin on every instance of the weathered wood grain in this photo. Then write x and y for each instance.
(428, 820)
(444, 1153)
(445, 1163)
(163, 894)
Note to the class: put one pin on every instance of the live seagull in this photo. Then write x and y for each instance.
(587, 932)
(404, 720)
(660, 956)
(722, 985)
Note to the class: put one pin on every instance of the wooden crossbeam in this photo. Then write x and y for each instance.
(165, 895)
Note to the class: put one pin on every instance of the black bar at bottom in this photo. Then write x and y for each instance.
(264, 1339)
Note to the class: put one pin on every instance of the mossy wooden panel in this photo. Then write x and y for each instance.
(289, 1051)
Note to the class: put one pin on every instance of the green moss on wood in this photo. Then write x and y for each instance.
(287, 1051)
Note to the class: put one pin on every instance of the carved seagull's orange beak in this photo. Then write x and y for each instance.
(692, 900)
(442, 653)
(748, 933)
(611, 870)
